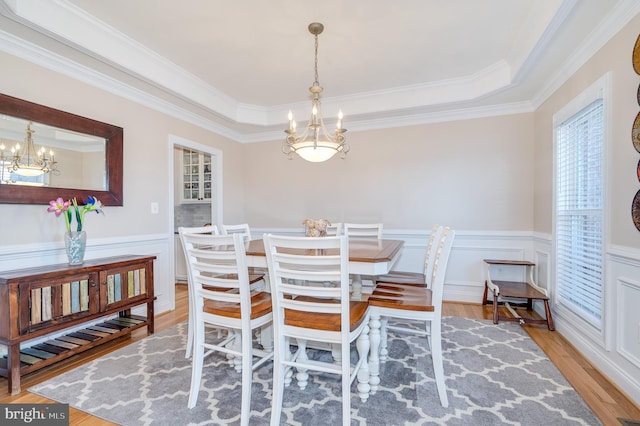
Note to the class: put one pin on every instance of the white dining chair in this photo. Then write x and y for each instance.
(415, 303)
(241, 228)
(244, 230)
(334, 229)
(422, 278)
(362, 230)
(211, 230)
(224, 299)
(256, 280)
(304, 309)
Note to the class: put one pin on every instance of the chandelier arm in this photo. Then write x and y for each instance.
(26, 160)
(337, 138)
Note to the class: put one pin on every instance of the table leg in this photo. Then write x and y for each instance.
(374, 357)
(288, 373)
(302, 376)
(363, 344)
(266, 338)
(383, 352)
(356, 287)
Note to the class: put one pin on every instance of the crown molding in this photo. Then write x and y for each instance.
(543, 40)
(411, 118)
(395, 107)
(37, 55)
(614, 21)
(72, 26)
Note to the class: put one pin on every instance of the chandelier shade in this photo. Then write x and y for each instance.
(315, 144)
(316, 152)
(25, 160)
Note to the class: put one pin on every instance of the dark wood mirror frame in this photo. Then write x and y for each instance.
(112, 196)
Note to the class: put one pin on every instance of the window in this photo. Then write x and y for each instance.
(579, 209)
(7, 176)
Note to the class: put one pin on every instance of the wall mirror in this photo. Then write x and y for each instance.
(85, 155)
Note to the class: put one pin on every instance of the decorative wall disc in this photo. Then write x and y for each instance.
(639, 170)
(635, 210)
(638, 95)
(635, 133)
(636, 56)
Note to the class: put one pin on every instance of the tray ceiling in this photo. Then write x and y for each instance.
(238, 67)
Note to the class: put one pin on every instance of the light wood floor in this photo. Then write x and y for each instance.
(604, 398)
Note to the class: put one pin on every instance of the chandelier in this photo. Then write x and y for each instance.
(25, 160)
(315, 144)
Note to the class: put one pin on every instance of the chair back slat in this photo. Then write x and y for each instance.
(218, 262)
(441, 260)
(363, 230)
(334, 229)
(430, 254)
(241, 228)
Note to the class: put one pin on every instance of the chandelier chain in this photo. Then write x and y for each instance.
(316, 81)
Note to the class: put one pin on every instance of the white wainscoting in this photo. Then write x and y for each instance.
(614, 349)
(159, 245)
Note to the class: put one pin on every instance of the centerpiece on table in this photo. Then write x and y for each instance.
(316, 228)
(75, 242)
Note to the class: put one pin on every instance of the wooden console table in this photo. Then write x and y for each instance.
(35, 302)
(519, 290)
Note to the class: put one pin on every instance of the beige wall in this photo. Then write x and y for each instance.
(146, 148)
(471, 175)
(622, 180)
(82, 170)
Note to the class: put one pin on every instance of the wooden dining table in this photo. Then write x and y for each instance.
(367, 256)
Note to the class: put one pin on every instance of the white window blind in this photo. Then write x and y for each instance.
(579, 212)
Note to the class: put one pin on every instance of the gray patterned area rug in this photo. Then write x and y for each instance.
(495, 375)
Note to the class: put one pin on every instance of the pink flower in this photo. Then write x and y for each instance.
(58, 206)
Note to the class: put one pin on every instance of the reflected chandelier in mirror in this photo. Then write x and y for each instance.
(82, 156)
(23, 164)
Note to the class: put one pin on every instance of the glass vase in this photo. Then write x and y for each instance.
(75, 243)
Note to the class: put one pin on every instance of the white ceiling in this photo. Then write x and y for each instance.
(237, 67)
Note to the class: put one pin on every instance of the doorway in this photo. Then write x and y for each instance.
(192, 212)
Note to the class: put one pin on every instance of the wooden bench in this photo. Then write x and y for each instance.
(512, 294)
